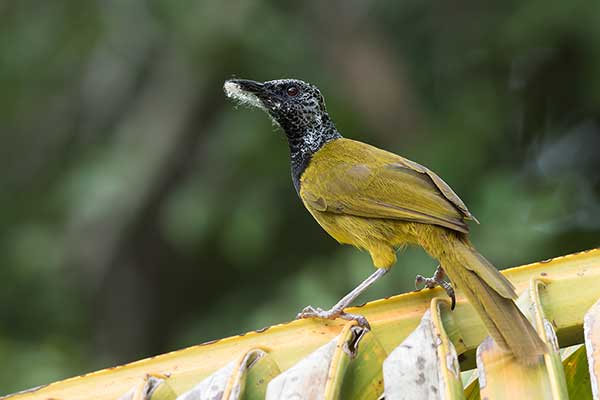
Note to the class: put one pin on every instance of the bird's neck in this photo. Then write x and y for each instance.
(306, 141)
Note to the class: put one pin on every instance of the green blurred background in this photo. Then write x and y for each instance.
(141, 211)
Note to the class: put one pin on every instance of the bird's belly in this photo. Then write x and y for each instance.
(380, 237)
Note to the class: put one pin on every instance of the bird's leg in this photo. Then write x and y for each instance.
(337, 311)
(437, 280)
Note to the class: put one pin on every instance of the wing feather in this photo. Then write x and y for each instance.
(369, 182)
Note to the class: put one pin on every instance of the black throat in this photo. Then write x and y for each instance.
(305, 142)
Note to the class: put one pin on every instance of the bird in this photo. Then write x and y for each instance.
(380, 202)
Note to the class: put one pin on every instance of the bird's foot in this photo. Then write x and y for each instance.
(437, 280)
(312, 312)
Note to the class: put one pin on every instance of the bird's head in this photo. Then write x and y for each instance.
(297, 106)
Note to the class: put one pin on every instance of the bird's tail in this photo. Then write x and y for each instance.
(489, 292)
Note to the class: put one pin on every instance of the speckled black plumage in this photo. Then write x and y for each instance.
(304, 120)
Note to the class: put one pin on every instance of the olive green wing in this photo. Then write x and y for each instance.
(442, 186)
(386, 186)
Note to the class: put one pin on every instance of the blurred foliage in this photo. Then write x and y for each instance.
(141, 212)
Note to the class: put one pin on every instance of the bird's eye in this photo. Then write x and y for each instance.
(293, 91)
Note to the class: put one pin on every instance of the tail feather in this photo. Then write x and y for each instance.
(477, 263)
(505, 323)
(490, 294)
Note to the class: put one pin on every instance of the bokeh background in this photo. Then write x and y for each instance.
(141, 211)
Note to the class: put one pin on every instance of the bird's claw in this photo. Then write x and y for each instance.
(310, 312)
(360, 320)
(437, 280)
(316, 312)
(428, 283)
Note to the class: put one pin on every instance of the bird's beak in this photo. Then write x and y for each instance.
(247, 92)
(256, 88)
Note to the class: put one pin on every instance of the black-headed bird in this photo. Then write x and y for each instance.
(378, 201)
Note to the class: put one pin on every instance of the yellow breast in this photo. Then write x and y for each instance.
(378, 236)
